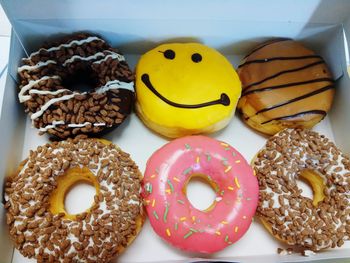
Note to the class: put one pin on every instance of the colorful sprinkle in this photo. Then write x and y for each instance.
(225, 163)
(197, 159)
(244, 217)
(226, 238)
(227, 148)
(155, 215)
(168, 191)
(153, 175)
(234, 154)
(236, 229)
(170, 185)
(187, 146)
(230, 188)
(237, 183)
(166, 213)
(188, 234)
(254, 172)
(224, 222)
(148, 188)
(153, 202)
(182, 219)
(176, 226)
(193, 218)
(181, 202)
(147, 202)
(189, 169)
(176, 179)
(208, 157)
(193, 230)
(218, 199)
(168, 232)
(248, 199)
(218, 233)
(228, 169)
(224, 144)
(237, 161)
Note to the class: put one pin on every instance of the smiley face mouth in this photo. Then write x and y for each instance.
(224, 99)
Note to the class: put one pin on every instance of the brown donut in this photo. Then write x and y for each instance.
(317, 223)
(284, 85)
(40, 226)
(48, 81)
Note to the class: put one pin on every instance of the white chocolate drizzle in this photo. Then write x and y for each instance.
(36, 66)
(71, 125)
(115, 84)
(32, 83)
(112, 55)
(95, 56)
(51, 126)
(47, 92)
(77, 42)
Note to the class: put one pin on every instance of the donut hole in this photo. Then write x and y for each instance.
(74, 192)
(312, 185)
(81, 80)
(200, 192)
(306, 188)
(79, 198)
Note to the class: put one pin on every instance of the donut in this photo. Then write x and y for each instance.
(314, 224)
(173, 217)
(39, 224)
(184, 89)
(285, 85)
(77, 85)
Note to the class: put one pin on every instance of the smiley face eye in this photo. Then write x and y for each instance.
(196, 58)
(169, 54)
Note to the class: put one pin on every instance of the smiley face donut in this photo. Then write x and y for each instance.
(185, 89)
(171, 214)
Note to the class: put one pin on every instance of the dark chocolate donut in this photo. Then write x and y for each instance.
(78, 85)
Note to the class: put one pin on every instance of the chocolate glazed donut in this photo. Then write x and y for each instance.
(78, 85)
(284, 85)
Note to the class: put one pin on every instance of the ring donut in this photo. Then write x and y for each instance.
(317, 223)
(49, 80)
(171, 214)
(39, 224)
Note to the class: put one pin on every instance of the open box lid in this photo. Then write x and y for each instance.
(226, 25)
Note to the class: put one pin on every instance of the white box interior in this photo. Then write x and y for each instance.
(233, 27)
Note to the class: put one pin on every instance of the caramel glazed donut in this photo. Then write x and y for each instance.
(40, 226)
(48, 74)
(297, 220)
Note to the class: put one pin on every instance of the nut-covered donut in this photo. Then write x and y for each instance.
(50, 77)
(39, 224)
(317, 223)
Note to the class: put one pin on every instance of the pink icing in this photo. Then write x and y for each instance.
(171, 214)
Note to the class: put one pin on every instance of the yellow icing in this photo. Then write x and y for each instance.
(183, 81)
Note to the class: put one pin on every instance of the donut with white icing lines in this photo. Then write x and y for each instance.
(39, 224)
(79, 85)
(312, 223)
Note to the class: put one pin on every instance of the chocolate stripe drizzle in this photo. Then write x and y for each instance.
(321, 112)
(310, 94)
(267, 44)
(283, 72)
(224, 99)
(299, 83)
(265, 60)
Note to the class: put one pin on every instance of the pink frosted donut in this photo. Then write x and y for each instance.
(171, 214)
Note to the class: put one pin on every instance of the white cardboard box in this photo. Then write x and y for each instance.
(233, 27)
